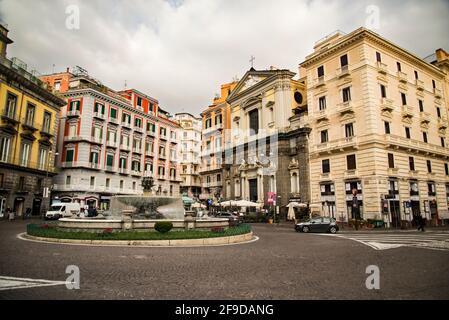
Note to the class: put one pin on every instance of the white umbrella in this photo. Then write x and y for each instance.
(296, 205)
(291, 213)
(198, 205)
(246, 203)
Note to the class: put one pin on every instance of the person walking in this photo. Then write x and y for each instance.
(10, 214)
(421, 223)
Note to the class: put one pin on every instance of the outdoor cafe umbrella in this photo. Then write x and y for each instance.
(198, 205)
(246, 203)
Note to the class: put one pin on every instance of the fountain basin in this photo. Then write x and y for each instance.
(96, 225)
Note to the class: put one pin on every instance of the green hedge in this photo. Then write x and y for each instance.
(49, 231)
(163, 226)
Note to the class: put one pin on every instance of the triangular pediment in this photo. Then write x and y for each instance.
(253, 77)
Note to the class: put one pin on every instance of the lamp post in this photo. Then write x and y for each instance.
(46, 191)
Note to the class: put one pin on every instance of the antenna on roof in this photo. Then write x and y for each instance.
(126, 84)
(53, 68)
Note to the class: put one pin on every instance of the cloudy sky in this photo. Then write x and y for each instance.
(180, 51)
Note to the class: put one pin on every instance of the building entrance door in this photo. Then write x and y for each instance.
(252, 190)
(415, 212)
(18, 206)
(395, 212)
(36, 207)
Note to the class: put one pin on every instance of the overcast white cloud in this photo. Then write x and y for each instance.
(180, 51)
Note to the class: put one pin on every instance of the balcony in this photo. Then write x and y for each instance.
(393, 171)
(343, 71)
(424, 117)
(113, 120)
(96, 140)
(123, 171)
(73, 113)
(345, 107)
(138, 129)
(437, 93)
(126, 124)
(149, 153)
(386, 104)
(419, 85)
(407, 111)
(137, 150)
(350, 143)
(394, 141)
(321, 115)
(351, 173)
(161, 176)
(73, 139)
(163, 136)
(319, 82)
(162, 156)
(402, 77)
(94, 165)
(110, 169)
(151, 133)
(99, 115)
(442, 122)
(111, 144)
(148, 174)
(382, 68)
(125, 147)
(136, 173)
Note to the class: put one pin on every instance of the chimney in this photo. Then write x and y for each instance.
(68, 70)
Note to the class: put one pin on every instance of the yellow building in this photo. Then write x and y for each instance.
(379, 131)
(28, 118)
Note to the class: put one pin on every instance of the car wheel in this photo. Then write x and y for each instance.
(297, 229)
(305, 229)
(333, 230)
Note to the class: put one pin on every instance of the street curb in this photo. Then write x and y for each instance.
(204, 242)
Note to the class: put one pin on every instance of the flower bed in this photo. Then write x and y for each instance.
(48, 231)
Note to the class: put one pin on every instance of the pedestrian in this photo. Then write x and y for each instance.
(27, 214)
(421, 223)
(10, 214)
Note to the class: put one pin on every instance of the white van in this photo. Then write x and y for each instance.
(62, 209)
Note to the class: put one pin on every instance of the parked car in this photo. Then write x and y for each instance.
(60, 210)
(322, 224)
(232, 217)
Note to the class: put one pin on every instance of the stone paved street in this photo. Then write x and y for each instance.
(282, 264)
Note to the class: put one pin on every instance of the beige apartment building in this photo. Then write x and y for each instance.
(379, 125)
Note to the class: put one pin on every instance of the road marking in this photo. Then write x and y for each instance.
(391, 241)
(11, 283)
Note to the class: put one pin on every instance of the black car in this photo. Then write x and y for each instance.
(232, 217)
(322, 224)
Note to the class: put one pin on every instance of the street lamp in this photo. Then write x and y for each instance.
(46, 191)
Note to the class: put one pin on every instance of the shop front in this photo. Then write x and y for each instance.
(354, 199)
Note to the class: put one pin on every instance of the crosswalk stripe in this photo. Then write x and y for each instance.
(391, 241)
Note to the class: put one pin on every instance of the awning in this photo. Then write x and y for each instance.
(187, 200)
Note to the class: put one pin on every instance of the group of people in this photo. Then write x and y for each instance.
(89, 212)
(10, 214)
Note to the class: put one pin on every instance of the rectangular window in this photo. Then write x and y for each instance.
(351, 162)
(411, 163)
(398, 64)
(108, 182)
(387, 127)
(110, 160)
(403, 99)
(11, 103)
(21, 184)
(92, 181)
(421, 106)
(139, 101)
(57, 85)
(93, 157)
(325, 166)
(446, 169)
(123, 163)
(344, 60)
(68, 180)
(121, 184)
(218, 119)
(433, 84)
(349, 130)
(75, 105)
(383, 91)
(29, 118)
(322, 103)
(47, 122)
(378, 57)
(390, 161)
(253, 122)
(320, 71)
(134, 185)
(443, 142)
(407, 133)
(424, 137)
(346, 94)
(416, 75)
(25, 156)
(138, 122)
(5, 146)
(439, 112)
(69, 155)
(429, 166)
(324, 136)
(113, 113)
(99, 108)
(43, 159)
